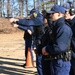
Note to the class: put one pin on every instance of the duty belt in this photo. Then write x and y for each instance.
(66, 56)
(53, 57)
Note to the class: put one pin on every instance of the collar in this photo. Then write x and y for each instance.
(59, 21)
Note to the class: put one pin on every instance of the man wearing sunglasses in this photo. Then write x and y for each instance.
(57, 50)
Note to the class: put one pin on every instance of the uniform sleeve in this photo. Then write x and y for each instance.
(23, 27)
(25, 22)
(62, 41)
(31, 28)
(26, 28)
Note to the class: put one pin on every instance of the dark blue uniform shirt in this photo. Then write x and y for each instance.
(62, 35)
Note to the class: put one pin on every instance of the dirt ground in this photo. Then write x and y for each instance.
(12, 55)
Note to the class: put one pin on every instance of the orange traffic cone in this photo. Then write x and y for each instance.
(29, 61)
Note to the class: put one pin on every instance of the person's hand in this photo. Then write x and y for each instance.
(29, 31)
(44, 51)
(12, 20)
(15, 25)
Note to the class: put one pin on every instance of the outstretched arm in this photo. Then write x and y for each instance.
(14, 24)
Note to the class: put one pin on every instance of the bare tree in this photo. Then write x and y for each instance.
(8, 8)
(21, 7)
(34, 3)
(26, 6)
(0, 8)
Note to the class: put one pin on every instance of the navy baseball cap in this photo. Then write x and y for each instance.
(34, 10)
(57, 8)
(66, 6)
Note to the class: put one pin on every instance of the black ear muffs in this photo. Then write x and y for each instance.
(72, 11)
(35, 14)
